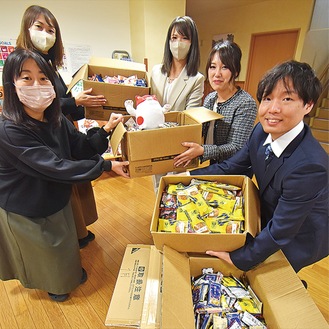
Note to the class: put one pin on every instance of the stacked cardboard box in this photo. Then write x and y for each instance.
(115, 94)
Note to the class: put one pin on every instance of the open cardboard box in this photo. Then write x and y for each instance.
(153, 290)
(201, 242)
(115, 94)
(152, 151)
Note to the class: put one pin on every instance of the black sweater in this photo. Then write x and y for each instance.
(38, 166)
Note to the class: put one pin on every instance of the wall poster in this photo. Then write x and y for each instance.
(7, 46)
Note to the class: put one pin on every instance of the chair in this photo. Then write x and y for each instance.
(121, 54)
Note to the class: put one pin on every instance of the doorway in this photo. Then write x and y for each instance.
(267, 50)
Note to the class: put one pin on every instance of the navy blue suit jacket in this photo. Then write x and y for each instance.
(293, 193)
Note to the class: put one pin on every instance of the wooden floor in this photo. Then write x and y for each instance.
(125, 208)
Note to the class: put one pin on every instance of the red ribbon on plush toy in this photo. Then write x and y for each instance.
(141, 99)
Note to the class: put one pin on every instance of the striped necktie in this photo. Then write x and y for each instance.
(268, 154)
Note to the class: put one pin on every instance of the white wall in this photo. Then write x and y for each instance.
(316, 46)
(104, 25)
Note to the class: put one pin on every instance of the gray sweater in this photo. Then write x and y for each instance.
(231, 132)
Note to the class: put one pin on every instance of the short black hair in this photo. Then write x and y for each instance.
(303, 78)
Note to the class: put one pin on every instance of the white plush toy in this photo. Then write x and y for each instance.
(149, 113)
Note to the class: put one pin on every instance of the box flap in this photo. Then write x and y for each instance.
(116, 137)
(117, 64)
(82, 73)
(135, 300)
(177, 308)
(287, 301)
(202, 114)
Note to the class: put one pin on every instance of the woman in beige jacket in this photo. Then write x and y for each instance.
(177, 81)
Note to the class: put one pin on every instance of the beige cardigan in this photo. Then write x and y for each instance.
(188, 91)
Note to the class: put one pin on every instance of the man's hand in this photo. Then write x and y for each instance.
(221, 255)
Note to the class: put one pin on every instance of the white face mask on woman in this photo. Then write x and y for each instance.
(179, 49)
(36, 98)
(42, 40)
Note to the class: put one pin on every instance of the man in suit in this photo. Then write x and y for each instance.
(292, 177)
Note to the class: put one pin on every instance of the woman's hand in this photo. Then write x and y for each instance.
(86, 99)
(115, 118)
(194, 150)
(221, 255)
(121, 168)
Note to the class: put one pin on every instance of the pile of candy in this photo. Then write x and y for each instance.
(120, 79)
(222, 302)
(201, 207)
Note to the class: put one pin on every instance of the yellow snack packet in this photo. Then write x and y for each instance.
(216, 200)
(196, 197)
(217, 226)
(187, 211)
(172, 188)
(228, 187)
(247, 304)
(166, 225)
(198, 225)
(182, 198)
(211, 188)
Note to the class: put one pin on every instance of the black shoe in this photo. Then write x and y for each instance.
(64, 297)
(304, 283)
(58, 298)
(84, 241)
(84, 276)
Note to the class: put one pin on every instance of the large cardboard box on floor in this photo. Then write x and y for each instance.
(201, 242)
(115, 94)
(153, 290)
(152, 151)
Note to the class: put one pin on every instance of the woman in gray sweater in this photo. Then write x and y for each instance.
(226, 136)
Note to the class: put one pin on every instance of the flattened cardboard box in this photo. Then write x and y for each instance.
(137, 293)
(115, 94)
(163, 298)
(201, 242)
(152, 151)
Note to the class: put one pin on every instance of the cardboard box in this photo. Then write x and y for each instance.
(116, 94)
(137, 301)
(152, 151)
(201, 242)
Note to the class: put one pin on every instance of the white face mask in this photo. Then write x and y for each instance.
(42, 40)
(179, 49)
(36, 98)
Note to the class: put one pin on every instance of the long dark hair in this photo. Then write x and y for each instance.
(230, 55)
(186, 27)
(13, 109)
(56, 52)
(303, 78)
